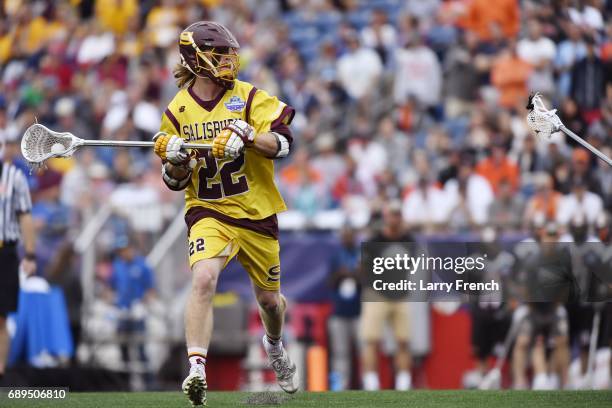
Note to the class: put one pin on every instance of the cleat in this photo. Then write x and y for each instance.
(285, 370)
(195, 386)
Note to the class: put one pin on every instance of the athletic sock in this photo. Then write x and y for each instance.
(197, 355)
(275, 345)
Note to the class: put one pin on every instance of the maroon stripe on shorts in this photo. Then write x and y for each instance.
(267, 226)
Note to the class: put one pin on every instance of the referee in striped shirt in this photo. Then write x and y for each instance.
(15, 224)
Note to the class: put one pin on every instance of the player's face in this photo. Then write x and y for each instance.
(225, 62)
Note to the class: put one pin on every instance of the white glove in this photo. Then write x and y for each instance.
(243, 130)
(170, 148)
(233, 139)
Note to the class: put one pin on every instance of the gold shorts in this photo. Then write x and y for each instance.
(374, 315)
(257, 253)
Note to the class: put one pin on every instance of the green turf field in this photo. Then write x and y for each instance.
(352, 399)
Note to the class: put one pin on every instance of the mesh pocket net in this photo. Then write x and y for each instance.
(540, 123)
(40, 143)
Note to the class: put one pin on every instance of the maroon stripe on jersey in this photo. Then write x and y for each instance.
(288, 112)
(279, 126)
(208, 105)
(268, 226)
(248, 104)
(175, 122)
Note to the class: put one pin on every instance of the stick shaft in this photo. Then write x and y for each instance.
(593, 345)
(510, 337)
(586, 144)
(134, 143)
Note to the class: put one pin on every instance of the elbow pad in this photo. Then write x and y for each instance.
(282, 146)
(172, 183)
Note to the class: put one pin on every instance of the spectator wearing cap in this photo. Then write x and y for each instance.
(579, 202)
(544, 203)
(498, 167)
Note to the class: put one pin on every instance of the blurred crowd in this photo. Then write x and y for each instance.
(421, 101)
(416, 102)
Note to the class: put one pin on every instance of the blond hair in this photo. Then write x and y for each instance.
(182, 75)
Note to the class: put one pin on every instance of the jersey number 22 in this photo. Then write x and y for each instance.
(227, 187)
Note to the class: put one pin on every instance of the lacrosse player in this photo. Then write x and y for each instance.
(231, 199)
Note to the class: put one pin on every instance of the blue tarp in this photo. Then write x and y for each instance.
(42, 329)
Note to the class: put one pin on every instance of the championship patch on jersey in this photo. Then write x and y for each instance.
(235, 104)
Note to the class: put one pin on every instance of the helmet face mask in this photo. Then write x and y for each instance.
(209, 50)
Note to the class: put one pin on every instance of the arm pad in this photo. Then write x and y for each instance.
(282, 145)
(172, 183)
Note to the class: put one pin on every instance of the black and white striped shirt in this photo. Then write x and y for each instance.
(14, 201)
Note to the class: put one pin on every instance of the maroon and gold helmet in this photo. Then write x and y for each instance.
(208, 49)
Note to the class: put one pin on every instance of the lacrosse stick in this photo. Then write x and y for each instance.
(492, 380)
(593, 344)
(40, 143)
(545, 122)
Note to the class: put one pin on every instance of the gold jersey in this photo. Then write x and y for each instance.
(241, 188)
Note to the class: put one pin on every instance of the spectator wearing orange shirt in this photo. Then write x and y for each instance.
(291, 174)
(498, 167)
(545, 201)
(485, 16)
(509, 75)
(302, 185)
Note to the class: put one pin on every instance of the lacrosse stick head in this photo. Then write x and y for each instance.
(40, 144)
(542, 121)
